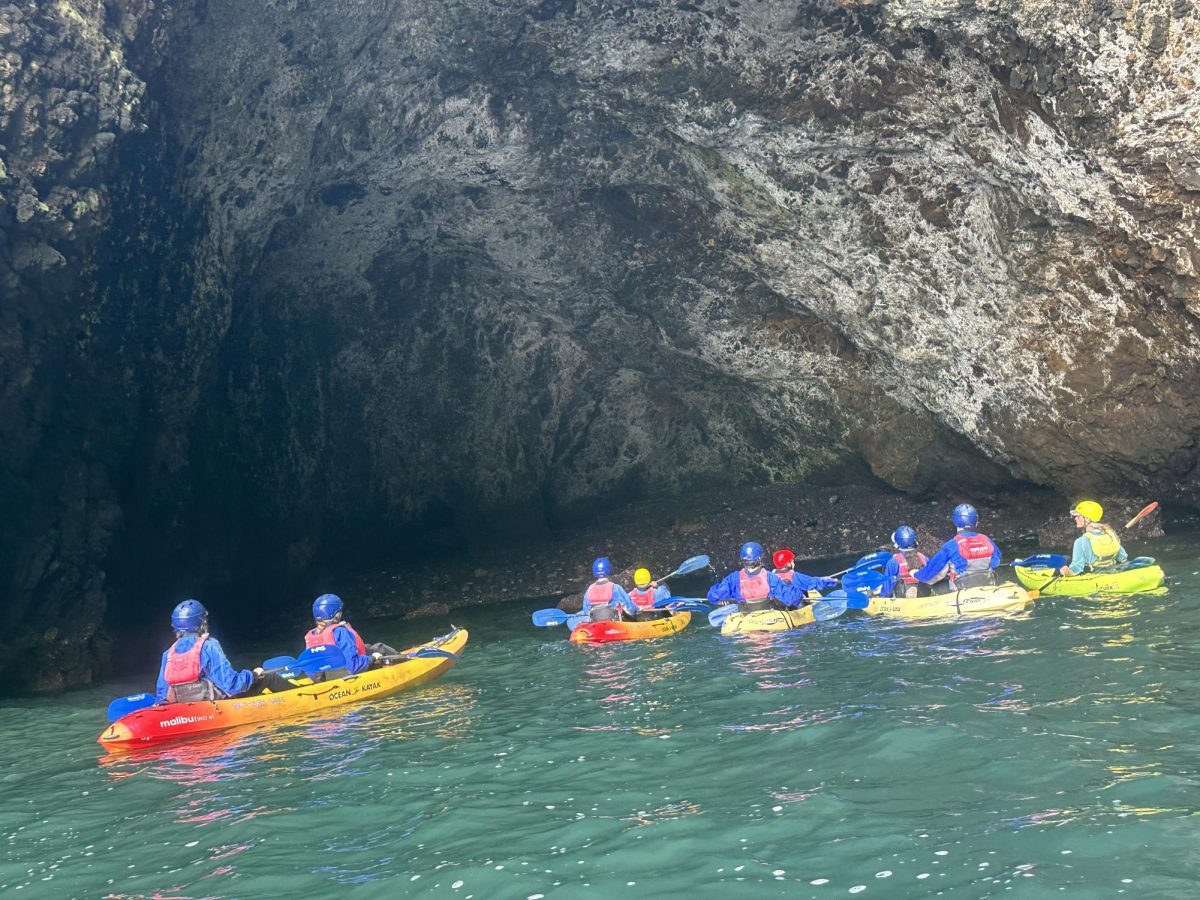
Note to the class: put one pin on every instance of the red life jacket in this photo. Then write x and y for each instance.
(643, 599)
(785, 575)
(184, 668)
(599, 593)
(327, 638)
(754, 587)
(905, 569)
(977, 550)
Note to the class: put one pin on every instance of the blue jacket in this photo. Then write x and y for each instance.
(804, 583)
(213, 665)
(619, 598)
(949, 555)
(344, 641)
(730, 588)
(1082, 554)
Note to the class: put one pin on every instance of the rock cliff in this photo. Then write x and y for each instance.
(284, 278)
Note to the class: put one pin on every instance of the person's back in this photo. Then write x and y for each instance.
(605, 600)
(968, 559)
(1099, 548)
(906, 560)
(330, 630)
(195, 667)
(646, 592)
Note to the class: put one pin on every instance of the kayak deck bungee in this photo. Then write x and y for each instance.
(176, 720)
(1138, 580)
(987, 599)
(767, 620)
(605, 632)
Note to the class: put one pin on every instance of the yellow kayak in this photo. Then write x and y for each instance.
(1139, 580)
(767, 620)
(1007, 597)
(175, 720)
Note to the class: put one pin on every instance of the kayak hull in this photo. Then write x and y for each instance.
(767, 620)
(985, 600)
(1140, 580)
(607, 632)
(172, 721)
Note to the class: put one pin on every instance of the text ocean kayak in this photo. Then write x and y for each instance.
(1007, 597)
(175, 720)
(604, 632)
(767, 620)
(1138, 580)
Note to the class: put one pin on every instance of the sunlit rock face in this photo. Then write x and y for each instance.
(378, 273)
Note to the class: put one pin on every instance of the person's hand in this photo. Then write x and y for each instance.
(1065, 570)
(654, 584)
(258, 670)
(829, 583)
(377, 655)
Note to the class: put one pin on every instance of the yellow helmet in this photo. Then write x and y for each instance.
(1089, 509)
(641, 577)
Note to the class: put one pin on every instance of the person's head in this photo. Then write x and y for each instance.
(601, 567)
(327, 608)
(904, 538)
(784, 559)
(189, 617)
(641, 578)
(1087, 512)
(965, 516)
(751, 556)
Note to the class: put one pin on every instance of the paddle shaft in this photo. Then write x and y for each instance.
(1145, 512)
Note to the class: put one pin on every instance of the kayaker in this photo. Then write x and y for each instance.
(906, 560)
(967, 560)
(331, 630)
(195, 667)
(646, 593)
(1099, 547)
(785, 570)
(605, 600)
(753, 587)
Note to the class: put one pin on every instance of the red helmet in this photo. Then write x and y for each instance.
(783, 558)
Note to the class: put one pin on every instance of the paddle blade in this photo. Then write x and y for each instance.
(1139, 562)
(720, 614)
(870, 560)
(578, 619)
(857, 600)
(432, 652)
(671, 601)
(862, 579)
(689, 565)
(1145, 512)
(544, 618)
(824, 610)
(279, 662)
(1042, 561)
(123, 706)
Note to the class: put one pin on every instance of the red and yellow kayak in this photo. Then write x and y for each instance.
(603, 632)
(177, 720)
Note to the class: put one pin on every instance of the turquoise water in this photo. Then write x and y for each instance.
(1052, 753)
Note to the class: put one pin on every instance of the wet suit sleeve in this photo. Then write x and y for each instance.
(812, 582)
(1081, 555)
(941, 559)
(216, 668)
(790, 595)
(1122, 555)
(725, 590)
(996, 555)
(621, 598)
(161, 690)
(662, 592)
(345, 642)
(890, 573)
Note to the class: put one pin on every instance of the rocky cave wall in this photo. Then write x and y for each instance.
(304, 276)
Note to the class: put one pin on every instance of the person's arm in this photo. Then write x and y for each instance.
(1081, 555)
(661, 592)
(996, 554)
(621, 597)
(345, 642)
(1122, 555)
(724, 590)
(890, 573)
(160, 691)
(932, 570)
(216, 668)
(812, 582)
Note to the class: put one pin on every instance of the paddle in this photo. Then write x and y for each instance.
(721, 613)
(838, 602)
(1042, 561)
(692, 604)
(863, 580)
(423, 653)
(546, 618)
(878, 558)
(1139, 562)
(1145, 512)
(123, 706)
(688, 565)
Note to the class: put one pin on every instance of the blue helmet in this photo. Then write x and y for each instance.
(965, 516)
(190, 615)
(751, 552)
(327, 606)
(904, 538)
(601, 567)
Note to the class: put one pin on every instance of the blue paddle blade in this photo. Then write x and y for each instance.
(123, 706)
(862, 579)
(720, 614)
(544, 618)
(692, 565)
(824, 610)
(279, 662)
(687, 605)
(1139, 562)
(578, 619)
(857, 600)
(431, 652)
(870, 560)
(672, 601)
(1042, 561)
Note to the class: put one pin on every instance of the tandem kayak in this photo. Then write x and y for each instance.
(1047, 582)
(988, 599)
(767, 620)
(177, 720)
(604, 632)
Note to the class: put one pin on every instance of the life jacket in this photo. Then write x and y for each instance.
(909, 562)
(183, 674)
(327, 638)
(785, 575)
(977, 550)
(642, 598)
(1106, 545)
(599, 593)
(754, 587)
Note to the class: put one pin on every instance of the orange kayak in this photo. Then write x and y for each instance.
(171, 721)
(603, 632)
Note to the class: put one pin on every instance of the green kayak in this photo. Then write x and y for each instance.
(1134, 580)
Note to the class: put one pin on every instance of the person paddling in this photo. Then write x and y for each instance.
(785, 570)
(605, 600)
(1099, 547)
(195, 667)
(906, 559)
(968, 559)
(753, 587)
(645, 593)
(331, 630)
